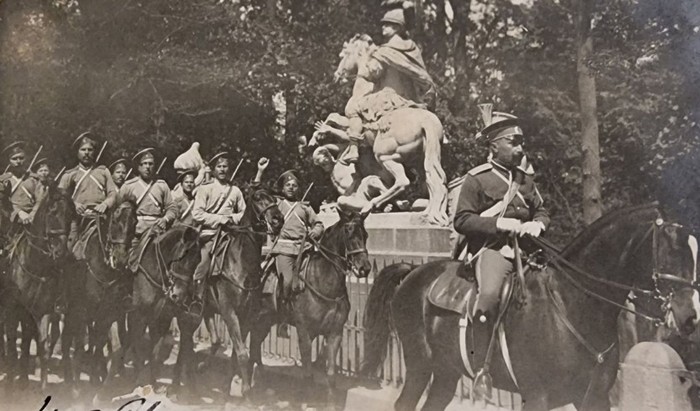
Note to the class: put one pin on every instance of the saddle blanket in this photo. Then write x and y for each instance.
(451, 290)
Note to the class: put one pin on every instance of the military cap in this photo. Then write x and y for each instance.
(83, 139)
(145, 153)
(184, 173)
(497, 124)
(286, 176)
(217, 157)
(394, 16)
(14, 148)
(116, 162)
(38, 163)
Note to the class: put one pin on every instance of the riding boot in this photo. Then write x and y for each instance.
(482, 325)
(197, 304)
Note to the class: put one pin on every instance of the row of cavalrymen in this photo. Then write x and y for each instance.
(214, 203)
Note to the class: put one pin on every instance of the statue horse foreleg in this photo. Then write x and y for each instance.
(401, 181)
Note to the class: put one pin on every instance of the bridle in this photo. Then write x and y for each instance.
(567, 268)
(166, 273)
(342, 260)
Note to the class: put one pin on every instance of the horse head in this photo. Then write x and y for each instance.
(654, 258)
(52, 221)
(266, 216)
(183, 256)
(674, 282)
(348, 238)
(354, 50)
(122, 228)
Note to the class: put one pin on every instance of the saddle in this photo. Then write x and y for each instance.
(452, 290)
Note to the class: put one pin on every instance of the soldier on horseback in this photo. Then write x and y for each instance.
(90, 185)
(498, 201)
(217, 203)
(119, 172)
(184, 198)
(154, 204)
(396, 78)
(25, 192)
(300, 221)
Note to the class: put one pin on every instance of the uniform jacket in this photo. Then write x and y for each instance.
(26, 195)
(299, 217)
(184, 209)
(90, 187)
(484, 187)
(157, 203)
(214, 203)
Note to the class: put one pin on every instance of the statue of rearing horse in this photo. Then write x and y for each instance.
(400, 134)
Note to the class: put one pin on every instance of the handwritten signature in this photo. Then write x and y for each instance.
(136, 404)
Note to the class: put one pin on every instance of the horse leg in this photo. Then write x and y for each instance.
(99, 340)
(29, 331)
(213, 331)
(158, 349)
(137, 330)
(442, 390)
(239, 355)
(307, 367)
(331, 345)
(43, 348)
(12, 355)
(417, 378)
(55, 332)
(67, 337)
(186, 355)
(257, 335)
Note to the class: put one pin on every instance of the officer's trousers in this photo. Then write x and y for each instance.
(492, 269)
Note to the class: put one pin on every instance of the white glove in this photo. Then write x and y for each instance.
(510, 225)
(533, 228)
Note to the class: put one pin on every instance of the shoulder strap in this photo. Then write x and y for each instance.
(222, 200)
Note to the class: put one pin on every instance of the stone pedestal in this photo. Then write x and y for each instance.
(401, 237)
(654, 378)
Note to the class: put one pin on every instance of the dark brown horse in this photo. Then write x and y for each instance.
(322, 308)
(160, 290)
(562, 339)
(33, 281)
(98, 286)
(235, 288)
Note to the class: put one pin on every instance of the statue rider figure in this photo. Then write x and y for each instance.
(395, 77)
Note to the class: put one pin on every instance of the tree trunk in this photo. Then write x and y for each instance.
(460, 98)
(592, 205)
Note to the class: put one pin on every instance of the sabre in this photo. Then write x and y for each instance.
(128, 174)
(99, 155)
(60, 173)
(230, 180)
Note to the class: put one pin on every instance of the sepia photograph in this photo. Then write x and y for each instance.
(349, 205)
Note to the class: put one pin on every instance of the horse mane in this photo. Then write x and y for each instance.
(615, 217)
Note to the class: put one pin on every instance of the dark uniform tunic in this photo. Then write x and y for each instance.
(478, 207)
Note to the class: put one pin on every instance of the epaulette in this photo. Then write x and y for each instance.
(206, 183)
(132, 180)
(480, 169)
(101, 167)
(71, 170)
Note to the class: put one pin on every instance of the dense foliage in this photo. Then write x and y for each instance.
(169, 72)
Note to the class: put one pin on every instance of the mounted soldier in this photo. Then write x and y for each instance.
(300, 221)
(498, 202)
(217, 203)
(89, 185)
(25, 192)
(184, 198)
(155, 208)
(395, 77)
(119, 171)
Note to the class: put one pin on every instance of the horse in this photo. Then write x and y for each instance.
(98, 287)
(235, 286)
(569, 307)
(402, 132)
(33, 282)
(160, 289)
(322, 308)
(5, 229)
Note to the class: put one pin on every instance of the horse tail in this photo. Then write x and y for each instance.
(435, 177)
(377, 321)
